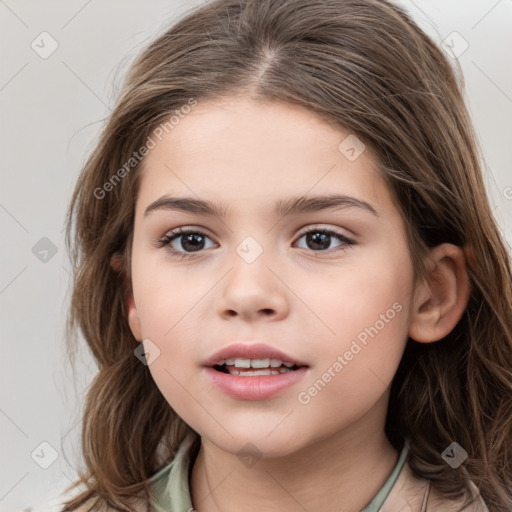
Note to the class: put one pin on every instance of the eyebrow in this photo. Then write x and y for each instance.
(282, 208)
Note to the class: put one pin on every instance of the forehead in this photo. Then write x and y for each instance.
(244, 151)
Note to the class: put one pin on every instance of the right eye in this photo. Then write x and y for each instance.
(192, 241)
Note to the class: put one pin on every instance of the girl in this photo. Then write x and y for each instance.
(287, 270)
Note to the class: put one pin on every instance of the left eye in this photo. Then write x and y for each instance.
(192, 241)
(320, 238)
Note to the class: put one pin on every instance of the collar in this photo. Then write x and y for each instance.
(401, 491)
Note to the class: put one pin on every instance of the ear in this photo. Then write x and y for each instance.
(133, 318)
(440, 302)
(116, 262)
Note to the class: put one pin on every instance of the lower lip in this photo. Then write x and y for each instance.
(260, 387)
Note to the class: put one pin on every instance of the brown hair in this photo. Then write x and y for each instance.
(365, 65)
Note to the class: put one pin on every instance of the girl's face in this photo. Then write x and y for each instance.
(339, 303)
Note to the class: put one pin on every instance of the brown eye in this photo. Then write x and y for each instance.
(320, 240)
(183, 241)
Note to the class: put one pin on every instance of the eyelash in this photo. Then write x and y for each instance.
(166, 240)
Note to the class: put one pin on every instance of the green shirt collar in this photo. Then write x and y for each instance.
(171, 483)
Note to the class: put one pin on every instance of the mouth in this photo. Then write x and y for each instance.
(254, 367)
(253, 371)
(246, 382)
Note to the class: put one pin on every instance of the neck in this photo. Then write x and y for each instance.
(325, 475)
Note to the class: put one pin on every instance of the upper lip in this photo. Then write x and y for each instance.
(253, 351)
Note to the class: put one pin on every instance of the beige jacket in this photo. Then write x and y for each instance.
(411, 494)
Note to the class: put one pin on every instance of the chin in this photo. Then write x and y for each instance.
(258, 444)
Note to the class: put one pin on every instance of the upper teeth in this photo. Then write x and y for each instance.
(254, 363)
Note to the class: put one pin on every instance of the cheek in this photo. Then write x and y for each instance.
(167, 298)
(366, 306)
(169, 318)
(353, 372)
(354, 296)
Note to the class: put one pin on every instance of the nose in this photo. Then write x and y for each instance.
(253, 291)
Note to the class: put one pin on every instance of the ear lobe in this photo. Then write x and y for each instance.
(441, 301)
(116, 262)
(133, 318)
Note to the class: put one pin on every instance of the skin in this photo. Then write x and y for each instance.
(310, 303)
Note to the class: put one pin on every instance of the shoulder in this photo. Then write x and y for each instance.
(413, 494)
(90, 506)
(437, 502)
(172, 473)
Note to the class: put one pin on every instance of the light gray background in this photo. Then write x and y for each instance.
(51, 112)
